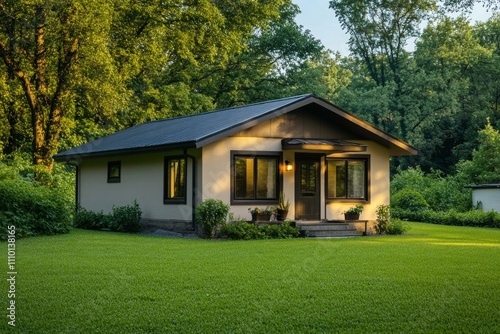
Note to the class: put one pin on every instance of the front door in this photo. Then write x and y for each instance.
(307, 187)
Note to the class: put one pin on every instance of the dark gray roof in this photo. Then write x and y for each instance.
(201, 129)
(181, 132)
(484, 186)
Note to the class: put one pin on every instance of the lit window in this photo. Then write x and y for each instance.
(175, 180)
(347, 179)
(114, 172)
(255, 177)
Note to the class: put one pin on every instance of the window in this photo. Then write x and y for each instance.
(175, 180)
(347, 179)
(255, 177)
(114, 172)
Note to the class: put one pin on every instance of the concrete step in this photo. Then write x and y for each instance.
(329, 230)
(333, 234)
(326, 227)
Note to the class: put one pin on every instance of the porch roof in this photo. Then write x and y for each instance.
(330, 145)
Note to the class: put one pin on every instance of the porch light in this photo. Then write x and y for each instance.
(288, 166)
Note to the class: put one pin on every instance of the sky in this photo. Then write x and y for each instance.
(317, 17)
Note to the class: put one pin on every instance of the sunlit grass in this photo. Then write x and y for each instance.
(437, 279)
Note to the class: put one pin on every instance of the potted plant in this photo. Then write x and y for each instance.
(282, 208)
(261, 214)
(353, 213)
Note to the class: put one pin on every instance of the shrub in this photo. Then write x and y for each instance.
(123, 219)
(33, 209)
(242, 230)
(90, 220)
(441, 192)
(383, 218)
(396, 226)
(280, 231)
(126, 218)
(452, 217)
(211, 214)
(410, 200)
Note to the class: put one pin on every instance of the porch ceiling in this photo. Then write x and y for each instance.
(329, 145)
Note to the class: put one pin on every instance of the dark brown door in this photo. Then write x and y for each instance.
(307, 187)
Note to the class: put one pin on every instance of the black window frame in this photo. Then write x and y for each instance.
(346, 158)
(166, 181)
(117, 165)
(255, 155)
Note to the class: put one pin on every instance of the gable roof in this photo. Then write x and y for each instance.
(198, 130)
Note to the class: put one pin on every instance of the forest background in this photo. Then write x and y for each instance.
(75, 70)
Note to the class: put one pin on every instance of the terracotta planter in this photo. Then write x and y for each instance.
(281, 214)
(351, 216)
(261, 217)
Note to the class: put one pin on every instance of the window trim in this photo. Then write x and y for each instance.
(166, 180)
(345, 157)
(114, 179)
(257, 154)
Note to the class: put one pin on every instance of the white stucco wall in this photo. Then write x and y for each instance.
(216, 175)
(379, 184)
(489, 198)
(142, 177)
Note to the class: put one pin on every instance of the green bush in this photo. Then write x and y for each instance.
(280, 231)
(383, 218)
(476, 218)
(396, 226)
(123, 219)
(33, 209)
(408, 199)
(242, 230)
(441, 192)
(211, 214)
(126, 218)
(90, 220)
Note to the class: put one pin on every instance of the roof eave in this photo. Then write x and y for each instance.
(61, 157)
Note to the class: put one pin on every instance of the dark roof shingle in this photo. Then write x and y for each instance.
(186, 131)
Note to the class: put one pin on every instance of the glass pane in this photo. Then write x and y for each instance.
(356, 179)
(114, 171)
(336, 179)
(266, 178)
(244, 178)
(176, 178)
(308, 178)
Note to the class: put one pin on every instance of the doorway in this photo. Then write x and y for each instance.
(307, 187)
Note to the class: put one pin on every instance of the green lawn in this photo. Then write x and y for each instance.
(437, 279)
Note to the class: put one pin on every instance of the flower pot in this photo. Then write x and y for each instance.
(281, 214)
(351, 216)
(262, 217)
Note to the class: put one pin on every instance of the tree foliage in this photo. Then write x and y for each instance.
(484, 167)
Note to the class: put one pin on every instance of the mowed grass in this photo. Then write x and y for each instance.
(439, 279)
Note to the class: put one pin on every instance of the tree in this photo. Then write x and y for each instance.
(83, 62)
(379, 31)
(485, 164)
(39, 44)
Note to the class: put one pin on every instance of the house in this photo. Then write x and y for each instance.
(486, 196)
(323, 158)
